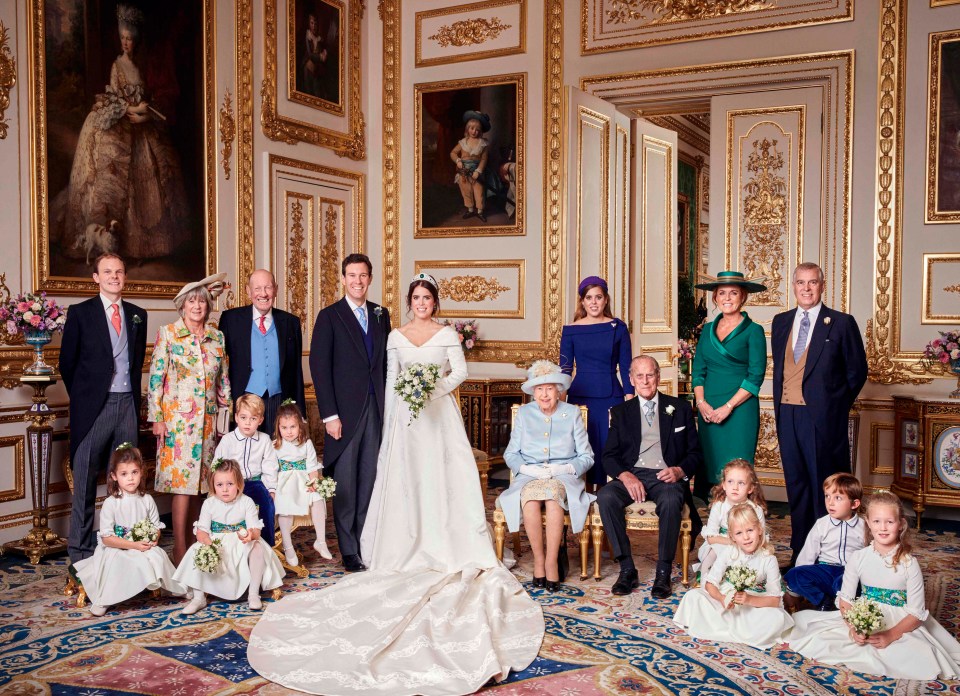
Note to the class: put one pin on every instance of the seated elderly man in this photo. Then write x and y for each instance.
(651, 451)
(548, 453)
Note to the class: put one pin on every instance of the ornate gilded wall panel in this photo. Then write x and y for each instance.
(469, 289)
(941, 289)
(348, 142)
(881, 448)
(14, 470)
(655, 241)
(472, 31)
(616, 25)
(767, 463)
(943, 157)
(8, 77)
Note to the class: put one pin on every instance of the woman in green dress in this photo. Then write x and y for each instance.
(728, 369)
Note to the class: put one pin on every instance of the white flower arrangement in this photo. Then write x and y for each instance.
(669, 410)
(325, 486)
(415, 384)
(207, 557)
(144, 530)
(865, 616)
(740, 577)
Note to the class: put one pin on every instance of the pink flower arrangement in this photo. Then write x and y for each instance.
(32, 312)
(943, 350)
(684, 350)
(467, 330)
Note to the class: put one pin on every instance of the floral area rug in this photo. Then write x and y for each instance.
(596, 643)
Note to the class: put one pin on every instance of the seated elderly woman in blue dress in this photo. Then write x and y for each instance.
(549, 453)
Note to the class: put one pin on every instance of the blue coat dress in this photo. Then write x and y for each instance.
(557, 439)
(597, 350)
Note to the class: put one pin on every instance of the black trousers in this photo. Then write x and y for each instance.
(355, 472)
(804, 471)
(271, 404)
(668, 497)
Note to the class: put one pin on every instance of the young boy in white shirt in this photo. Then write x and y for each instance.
(255, 453)
(832, 541)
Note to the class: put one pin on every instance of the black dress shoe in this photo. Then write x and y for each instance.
(662, 588)
(553, 585)
(539, 582)
(481, 215)
(353, 564)
(627, 582)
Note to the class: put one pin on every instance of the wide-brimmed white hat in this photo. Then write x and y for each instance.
(214, 283)
(545, 372)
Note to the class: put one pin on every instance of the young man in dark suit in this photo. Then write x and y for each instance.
(819, 367)
(349, 369)
(265, 349)
(101, 360)
(652, 451)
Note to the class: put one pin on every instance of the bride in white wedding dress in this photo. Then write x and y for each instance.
(436, 613)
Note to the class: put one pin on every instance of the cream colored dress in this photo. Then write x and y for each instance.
(436, 613)
(111, 575)
(297, 462)
(232, 578)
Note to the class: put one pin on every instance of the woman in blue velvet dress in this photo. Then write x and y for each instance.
(595, 344)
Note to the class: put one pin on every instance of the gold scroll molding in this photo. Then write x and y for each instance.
(295, 276)
(8, 77)
(685, 133)
(228, 129)
(473, 31)
(767, 461)
(40, 229)
(518, 352)
(934, 103)
(473, 286)
(18, 491)
(349, 143)
(331, 250)
(930, 262)
(883, 364)
(246, 244)
(875, 466)
(617, 25)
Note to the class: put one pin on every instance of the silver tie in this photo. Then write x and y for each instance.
(801, 343)
(648, 412)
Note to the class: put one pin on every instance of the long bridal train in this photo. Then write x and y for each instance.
(436, 613)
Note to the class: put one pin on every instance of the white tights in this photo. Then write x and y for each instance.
(318, 513)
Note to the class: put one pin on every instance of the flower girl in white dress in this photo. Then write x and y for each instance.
(911, 643)
(121, 568)
(246, 561)
(738, 484)
(718, 611)
(298, 464)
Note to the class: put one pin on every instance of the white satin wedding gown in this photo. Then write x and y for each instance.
(436, 613)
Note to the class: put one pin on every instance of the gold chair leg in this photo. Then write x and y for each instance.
(597, 534)
(499, 535)
(516, 545)
(277, 594)
(81, 599)
(155, 594)
(70, 588)
(685, 545)
(584, 551)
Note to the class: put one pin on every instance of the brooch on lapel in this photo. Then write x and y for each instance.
(669, 410)
(377, 311)
(826, 320)
(137, 320)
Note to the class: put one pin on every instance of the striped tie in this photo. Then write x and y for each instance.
(801, 343)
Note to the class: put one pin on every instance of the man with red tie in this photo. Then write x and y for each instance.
(101, 360)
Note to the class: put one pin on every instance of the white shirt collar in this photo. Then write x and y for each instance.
(256, 314)
(852, 522)
(643, 402)
(813, 312)
(355, 307)
(241, 437)
(107, 302)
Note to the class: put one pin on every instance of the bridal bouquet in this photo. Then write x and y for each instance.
(207, 558)
(324, 486)
(415, 384)
(740, 578)
(865, 616)
(144, 530)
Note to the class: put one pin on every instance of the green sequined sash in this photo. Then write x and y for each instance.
(895, 598)
(293, 465)
(221, 528)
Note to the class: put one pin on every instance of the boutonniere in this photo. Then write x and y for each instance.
(137, 319)
(826, 320)
(669, 410)
(377, 311)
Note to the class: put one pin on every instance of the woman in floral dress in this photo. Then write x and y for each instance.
(188, 383)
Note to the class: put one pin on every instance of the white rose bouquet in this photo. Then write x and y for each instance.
(207, 558)
(325, 486)
(144, 530)
(740, 578)
(865, 616)
(415, 384)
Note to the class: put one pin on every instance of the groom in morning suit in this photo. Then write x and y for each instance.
(101, 360)
(819, 367)
(265, 349)
(652, 451)
(348, 363)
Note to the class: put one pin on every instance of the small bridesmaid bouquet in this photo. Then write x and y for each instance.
(145, 530)
(415, 385)
(207, 558)
(324, 486)
(740, 578)
(865, 616)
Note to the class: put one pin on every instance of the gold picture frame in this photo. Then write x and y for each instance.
(315, 53)
(943, 108)
(441, 109)
(46, 202)
(347, 143)
(473, 286)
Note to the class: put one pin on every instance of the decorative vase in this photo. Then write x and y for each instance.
(38, 338)
(955, 368)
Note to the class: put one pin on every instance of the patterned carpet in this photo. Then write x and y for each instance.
(595, 644)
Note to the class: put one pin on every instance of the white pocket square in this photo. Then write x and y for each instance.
(677, 430)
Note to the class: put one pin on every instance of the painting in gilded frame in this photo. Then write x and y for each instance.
(483, 195)
(315, 64)
(123, 92)
(943, 144)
